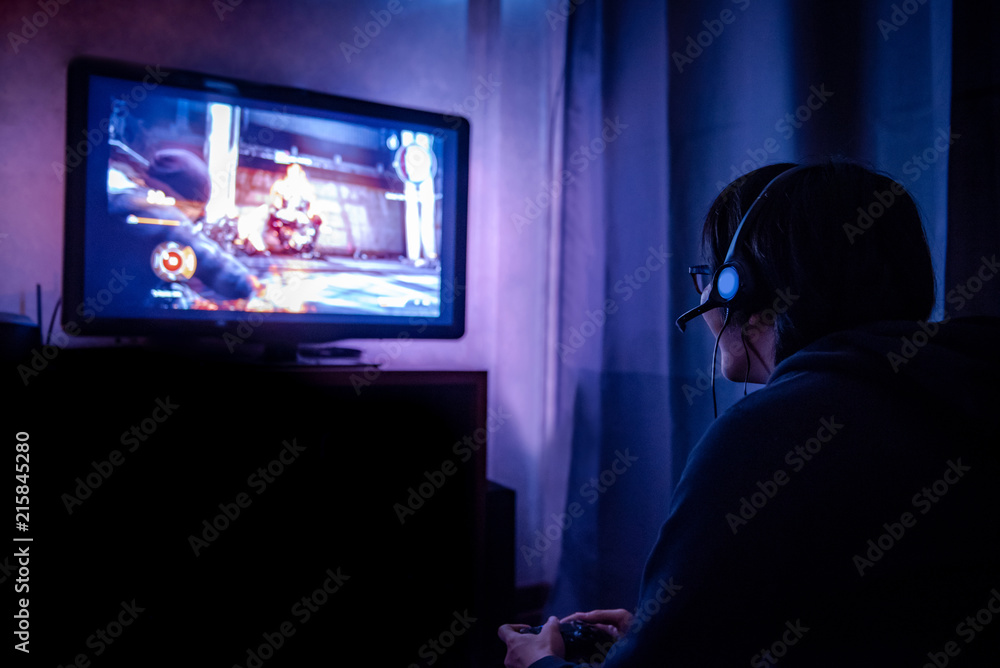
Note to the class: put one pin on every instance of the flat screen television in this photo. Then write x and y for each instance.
(204, 206)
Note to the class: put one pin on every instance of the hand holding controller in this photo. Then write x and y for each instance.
(584, 642)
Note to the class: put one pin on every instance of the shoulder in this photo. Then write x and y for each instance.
(799, 406)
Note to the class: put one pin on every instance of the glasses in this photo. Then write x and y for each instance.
(701, 275)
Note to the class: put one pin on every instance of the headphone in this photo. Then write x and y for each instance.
(732, 283)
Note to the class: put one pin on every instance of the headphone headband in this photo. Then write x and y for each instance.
(732, 279)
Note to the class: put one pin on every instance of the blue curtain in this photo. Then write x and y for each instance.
(974, 164)
(698, 94)
(614, 310)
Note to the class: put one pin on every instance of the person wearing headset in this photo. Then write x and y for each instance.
(843, 513)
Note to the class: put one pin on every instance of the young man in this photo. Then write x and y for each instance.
(843, 514)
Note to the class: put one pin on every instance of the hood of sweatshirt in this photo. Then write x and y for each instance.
(954, 363)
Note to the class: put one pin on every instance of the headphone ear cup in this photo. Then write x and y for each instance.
(728, 282)
(734, 285)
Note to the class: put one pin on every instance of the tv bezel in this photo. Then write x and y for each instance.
(268, 328)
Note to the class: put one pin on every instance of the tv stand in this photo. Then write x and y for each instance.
(220, 492)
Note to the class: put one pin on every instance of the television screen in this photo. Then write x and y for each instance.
(200, 205)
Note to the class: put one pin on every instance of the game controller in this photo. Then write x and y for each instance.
(583, 642)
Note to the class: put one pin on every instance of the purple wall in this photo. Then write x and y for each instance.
(505, 78)
(294, 44)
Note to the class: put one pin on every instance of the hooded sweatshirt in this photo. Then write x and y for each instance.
(845, 514)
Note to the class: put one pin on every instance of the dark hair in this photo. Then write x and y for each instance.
(845, 242)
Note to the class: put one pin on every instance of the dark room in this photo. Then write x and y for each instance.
(524, 333)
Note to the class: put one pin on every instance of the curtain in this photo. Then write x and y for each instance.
(701, 93)
(614, 315)
(974, 166)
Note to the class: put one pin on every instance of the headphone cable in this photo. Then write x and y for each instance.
(746, 350)
(715, 354)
